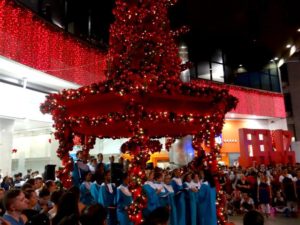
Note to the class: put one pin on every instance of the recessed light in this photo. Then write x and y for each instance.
(288, 46)
(240, 65)
(276, 58)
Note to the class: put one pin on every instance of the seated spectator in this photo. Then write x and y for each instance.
(159, 216)
(14, 203)
(253, 218)
(7, 183)
(33, 216)
(38, 183)
(55, 196)
(247, 203)
(67, 207)
(18, 180)
(93, 215)
(236, 200)
(2, 210)
(43, 205)
(51, 186)
(26, 187)
(243, 185)
(279, 203)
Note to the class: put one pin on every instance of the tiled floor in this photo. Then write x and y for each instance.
(238, 220)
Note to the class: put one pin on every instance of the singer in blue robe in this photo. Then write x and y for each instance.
(108, 198)
(171, 200)
(124, 199)
(190, 203)
(152, 197)
(160, 190)
(207, 201)
(179, 198)
(85, 193)
(95, 189)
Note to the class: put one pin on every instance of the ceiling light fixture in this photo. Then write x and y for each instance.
(288, 45)
(276, 58)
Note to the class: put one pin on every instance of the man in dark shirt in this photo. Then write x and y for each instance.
(243, 185)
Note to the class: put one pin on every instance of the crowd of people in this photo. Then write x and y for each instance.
(101, 191)
(100, 194)
(271, 190)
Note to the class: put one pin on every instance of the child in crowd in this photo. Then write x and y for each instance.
(279, 204)
(247, 203)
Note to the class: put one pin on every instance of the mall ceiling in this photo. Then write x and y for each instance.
(250, 32)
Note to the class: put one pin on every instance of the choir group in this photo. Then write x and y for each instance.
(190, 200)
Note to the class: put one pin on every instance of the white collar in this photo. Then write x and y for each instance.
(169, 188)
(177, 180)
(189, 185)
(151, 184)
(87, 184)
(109, 186)
(160, 186)
(125, 190)
(196, 185)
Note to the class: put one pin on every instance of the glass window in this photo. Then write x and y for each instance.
(275, 83)
(217, 72)
(262, 148)
(250, 150)
(265, 82)
(203, 70)
(249, 137)
(254, 80)
(217, 57)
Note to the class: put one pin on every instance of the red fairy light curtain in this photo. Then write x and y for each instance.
(31, 41)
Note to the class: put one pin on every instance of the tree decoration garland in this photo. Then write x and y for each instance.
(143, 98)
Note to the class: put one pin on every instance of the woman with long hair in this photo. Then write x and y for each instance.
(67, 207)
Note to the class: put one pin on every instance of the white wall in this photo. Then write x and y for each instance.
(18, 102)
(6, 138)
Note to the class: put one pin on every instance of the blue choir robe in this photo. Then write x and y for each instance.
(80, 169)
(190, 204)
(95, 189)
(163, 195)
(171, 204)
(197, 185)
(179, 200)
(108, 198)
(76, 177)
(207, 203)
(124, 199)
(149, 189)
(85, 194)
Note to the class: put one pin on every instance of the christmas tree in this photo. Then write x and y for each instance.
(142, 45)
